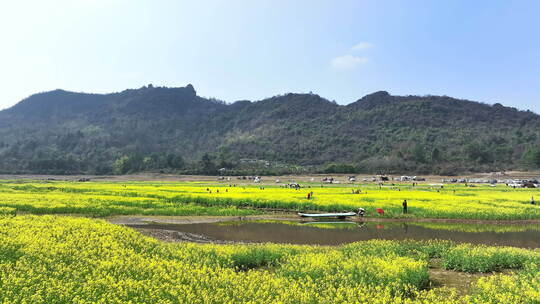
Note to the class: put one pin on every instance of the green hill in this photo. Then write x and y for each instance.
(174, 130)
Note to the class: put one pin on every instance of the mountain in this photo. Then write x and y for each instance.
(174, 129)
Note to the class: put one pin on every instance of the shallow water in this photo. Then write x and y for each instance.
(341, 232)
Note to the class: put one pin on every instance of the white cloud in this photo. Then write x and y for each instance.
(362, 46)
(347, 62)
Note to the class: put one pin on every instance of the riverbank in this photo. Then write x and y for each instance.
(286, 229)
(143, 219)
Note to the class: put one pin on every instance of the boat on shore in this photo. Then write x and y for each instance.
(324, 215)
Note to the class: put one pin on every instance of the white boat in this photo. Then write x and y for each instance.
(318, 215)
(330, 223)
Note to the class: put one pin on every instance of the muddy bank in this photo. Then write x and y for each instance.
(179, 236)
(151, 219)
(463, 282)
(141, 220)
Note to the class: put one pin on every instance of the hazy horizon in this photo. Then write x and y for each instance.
(235, 50)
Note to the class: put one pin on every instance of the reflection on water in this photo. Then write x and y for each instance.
(335, 233)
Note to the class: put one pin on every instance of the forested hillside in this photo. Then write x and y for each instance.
(174, 130)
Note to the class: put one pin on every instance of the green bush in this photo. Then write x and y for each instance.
(469, 258)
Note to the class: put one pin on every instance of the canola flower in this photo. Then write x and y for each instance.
(52, 259)
(168, 198)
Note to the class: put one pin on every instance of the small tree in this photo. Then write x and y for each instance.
(121, 165)
(435, 155)
(207, 166)
(531, 158)
(175, 161)
(419, 154)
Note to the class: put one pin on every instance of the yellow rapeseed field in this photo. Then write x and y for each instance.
(49, 259)
(162, 198)
(58, 259)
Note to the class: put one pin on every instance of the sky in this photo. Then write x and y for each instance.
(482, 50)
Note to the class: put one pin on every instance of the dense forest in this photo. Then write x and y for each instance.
(163, 129)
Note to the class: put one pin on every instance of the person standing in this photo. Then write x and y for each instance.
(532, 200)
(404, 204)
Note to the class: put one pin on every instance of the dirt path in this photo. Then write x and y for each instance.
(147, 176)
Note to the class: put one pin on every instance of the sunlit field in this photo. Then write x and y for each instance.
(49, 259)
(162, 198)
(64, 259)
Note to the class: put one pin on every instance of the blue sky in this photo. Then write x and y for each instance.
(486, 51)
